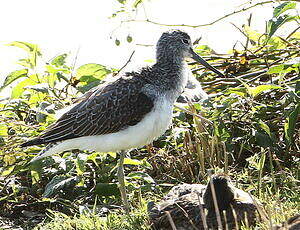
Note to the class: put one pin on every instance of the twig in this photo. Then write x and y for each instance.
(191, 113)
(171, 220)
(249, 24)
(129, 60)
(213, 192)
(202, 213)
(200, 25)
(291, 34)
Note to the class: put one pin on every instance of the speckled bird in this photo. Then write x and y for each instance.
(183, 203)
(129, 112)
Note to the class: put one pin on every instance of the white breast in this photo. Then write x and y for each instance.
(152, 126)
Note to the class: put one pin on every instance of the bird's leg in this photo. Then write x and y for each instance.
(121, 178)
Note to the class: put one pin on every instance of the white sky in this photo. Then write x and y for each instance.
(59, 26)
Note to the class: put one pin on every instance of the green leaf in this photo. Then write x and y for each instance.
(96, 70)
(283, 7)
(238, 91)
(289, 126)
(263, 139)
(59, 183)
(3, 130)
(35, 98)
(128, 161)
(80, 163)
(204, 50)
(253, 35)
(32, 50)
(117, 42)
(42, 88)
(13, 76)
(261, 162)
(107, 189)
(136, 3)
(7, 171)
(141, 176)
(59, 60)
(254, 91)
(283, 68)
(129, 39)
(122, 1)
(20, 88)
(265, 127)
(87, 87)
(275, 23)
(28, 47)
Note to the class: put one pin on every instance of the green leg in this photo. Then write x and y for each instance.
(121, 178)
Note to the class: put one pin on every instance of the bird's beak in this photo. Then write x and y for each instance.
(200, 60)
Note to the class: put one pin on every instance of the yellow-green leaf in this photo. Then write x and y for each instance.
(3, 130)
(265, 127)
(254, 91)
(128, 161)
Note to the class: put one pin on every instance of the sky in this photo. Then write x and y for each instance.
(86, 29)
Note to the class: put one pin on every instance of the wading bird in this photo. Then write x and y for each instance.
(129, 112)
(185, 203)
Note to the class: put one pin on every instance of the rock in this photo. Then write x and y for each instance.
(185, 202)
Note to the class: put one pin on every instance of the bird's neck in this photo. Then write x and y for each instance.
(174, 59)
(171, 72)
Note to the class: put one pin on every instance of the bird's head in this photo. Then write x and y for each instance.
(175, 45)
(224, 192)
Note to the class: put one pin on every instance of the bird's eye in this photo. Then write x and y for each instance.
(185, 41)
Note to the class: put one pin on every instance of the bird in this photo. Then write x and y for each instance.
(185, 202)
(292, 223)
(129, 112)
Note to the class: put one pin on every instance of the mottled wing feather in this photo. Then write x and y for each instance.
(108, 110)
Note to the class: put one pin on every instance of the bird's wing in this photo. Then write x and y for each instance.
(107, 110)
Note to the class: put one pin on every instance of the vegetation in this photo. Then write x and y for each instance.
(251, 132)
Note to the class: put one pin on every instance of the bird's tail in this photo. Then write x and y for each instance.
(36, 141)
(47, 151)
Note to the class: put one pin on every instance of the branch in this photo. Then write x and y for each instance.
(206, 24)
(129, 60)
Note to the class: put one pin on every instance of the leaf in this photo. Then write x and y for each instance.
(275, 23)
(204, 50)
(13, 76)
(254, 91)
(252, 34)
(117, 42)
(20, 88)
(96, 70)
(128, 161)
(87, 87)
(59, 183)
(107, 189)
(3, 130)
(283, 7)
(80, 163)
(122, 1)
(283, 68)
(28, 47)
(265, 127)
(261, 162)
(59, 60)
(263, 139)
(129, 39)
(42, 88)
(136, 3)
(238, 91)
(36, 98)
(289, 126)
(9, 159)
(141, 176)
(7, 171)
